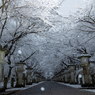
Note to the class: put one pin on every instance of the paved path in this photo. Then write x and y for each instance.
(53, 88)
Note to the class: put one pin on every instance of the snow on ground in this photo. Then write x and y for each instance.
(91, 90)
(26, 87)
(35, 84)
(77, 86)
(71, 85)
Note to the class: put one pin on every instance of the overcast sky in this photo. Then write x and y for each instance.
(70, 6)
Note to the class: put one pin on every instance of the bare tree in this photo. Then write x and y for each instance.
(86, 18)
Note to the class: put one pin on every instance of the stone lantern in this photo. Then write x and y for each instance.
(33, 79)
(72, 69)
(20, 69)
(28, 79)
(66, 73)
(2, 62)
(59, 78)
(37, 77)
(62, 73)
(85, 64)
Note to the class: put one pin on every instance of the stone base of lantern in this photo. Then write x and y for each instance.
(12, 82)
(19, 85)
(72, 82)
(66, 82)
(29, 83)
(5, 82)
(2, 89)
(87, 85)
(38, 80)
(59, 80)
(76, 82)
(34, 81)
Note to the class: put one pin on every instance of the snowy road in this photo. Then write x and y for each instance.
(53, 88)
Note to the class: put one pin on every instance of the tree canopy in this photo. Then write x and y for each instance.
(44, 37)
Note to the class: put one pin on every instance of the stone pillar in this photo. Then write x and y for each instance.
(93, 79)
(20, 69)
(66, 80)
(66, 76)
(81, 82)
(37, 77)
(69, 77)
(12, 82)
(72, 81)
(40, 80)
(2, 62)
(76, 79)
(28, 78)
(34, 79)
(1, 72)
(72, 78)
(85, 64)
(86, 76)
(5, 82)
(63, 78)
(24, 80)
(60, 78)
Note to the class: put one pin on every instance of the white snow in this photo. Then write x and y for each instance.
(91, 90)
(26, 87)
(35, 84)
(71, 85)
(42, 89)
(77, 86)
